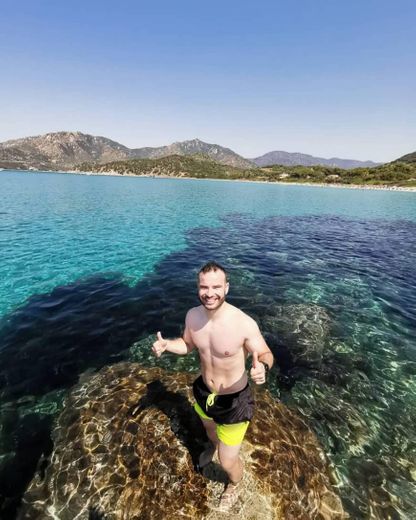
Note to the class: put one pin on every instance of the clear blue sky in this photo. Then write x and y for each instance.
(324, 77)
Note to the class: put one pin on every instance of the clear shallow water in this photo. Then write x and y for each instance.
(57, 228)
(93, 265)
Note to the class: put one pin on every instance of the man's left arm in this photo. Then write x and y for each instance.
(256, 345)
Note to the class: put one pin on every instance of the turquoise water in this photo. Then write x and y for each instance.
(57, 228)
(92, 266)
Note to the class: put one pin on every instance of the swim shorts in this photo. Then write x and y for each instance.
(232, 413)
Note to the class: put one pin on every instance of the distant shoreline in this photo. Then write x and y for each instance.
(285, 183)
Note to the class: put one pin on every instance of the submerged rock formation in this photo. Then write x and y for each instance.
(301, 331)
(126, 445)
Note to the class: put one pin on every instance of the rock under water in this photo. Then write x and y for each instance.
(301, 331)
(126, 446)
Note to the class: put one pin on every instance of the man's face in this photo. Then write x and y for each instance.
(212, 289)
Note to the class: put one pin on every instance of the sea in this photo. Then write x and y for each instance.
(92, 266)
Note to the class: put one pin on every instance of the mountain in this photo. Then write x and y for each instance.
(195, 147)
(65, 150)
(59, 150)
(294, 159)
(408, 158)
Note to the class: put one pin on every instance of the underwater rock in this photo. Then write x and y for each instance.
(126, 446)
(299, 331)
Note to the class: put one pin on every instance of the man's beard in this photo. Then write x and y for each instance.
(208, 307)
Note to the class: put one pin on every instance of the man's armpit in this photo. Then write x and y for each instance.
(186, 336)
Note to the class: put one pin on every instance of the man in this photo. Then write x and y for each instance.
(224, 336)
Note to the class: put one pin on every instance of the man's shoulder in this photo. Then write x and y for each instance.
(242, 317)
(194, 312)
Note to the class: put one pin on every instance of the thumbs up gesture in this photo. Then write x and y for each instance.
(160, 345)
(257, 372)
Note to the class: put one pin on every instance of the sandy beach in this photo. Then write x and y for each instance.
(312, 184)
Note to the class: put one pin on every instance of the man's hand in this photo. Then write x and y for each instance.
(160, 345)
(257, 372)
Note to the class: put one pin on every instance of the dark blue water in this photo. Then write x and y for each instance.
(91, 267)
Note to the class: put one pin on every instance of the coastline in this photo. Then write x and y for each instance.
(285, 183)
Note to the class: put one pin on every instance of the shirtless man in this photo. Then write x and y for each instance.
(224, 336)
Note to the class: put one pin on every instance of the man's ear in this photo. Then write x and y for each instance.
(227, 287)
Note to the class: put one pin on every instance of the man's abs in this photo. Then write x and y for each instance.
(223, 383)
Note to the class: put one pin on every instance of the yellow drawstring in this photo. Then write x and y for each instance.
(210, 400)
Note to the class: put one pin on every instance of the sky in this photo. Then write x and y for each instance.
(329, 78)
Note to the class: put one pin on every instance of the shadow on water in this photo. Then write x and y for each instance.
(47, 343)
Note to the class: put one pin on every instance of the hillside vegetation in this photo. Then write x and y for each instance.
(391, 174)
(409, 158)
(199, 166)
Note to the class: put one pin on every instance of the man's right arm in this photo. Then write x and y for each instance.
(177, 346)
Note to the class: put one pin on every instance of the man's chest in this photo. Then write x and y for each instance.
(224, 339)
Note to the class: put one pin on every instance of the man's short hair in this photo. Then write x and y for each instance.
(213, 266)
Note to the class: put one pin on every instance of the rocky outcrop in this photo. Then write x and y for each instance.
(126, 444)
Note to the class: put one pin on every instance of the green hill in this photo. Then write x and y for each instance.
(392, 174)
(408, 158)
(198, 166)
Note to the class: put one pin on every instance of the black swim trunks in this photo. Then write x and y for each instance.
(225, 408)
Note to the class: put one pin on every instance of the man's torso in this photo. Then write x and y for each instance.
(220, 344)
